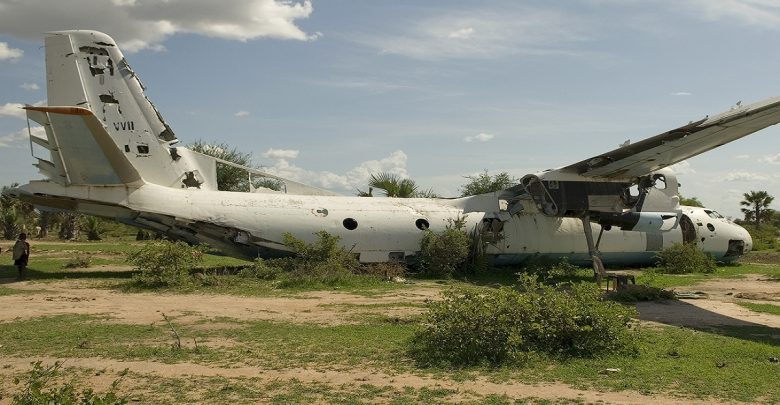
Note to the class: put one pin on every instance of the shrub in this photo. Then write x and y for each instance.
(164, 264)
(324, 259)
(36, 391)
(640, 292)
(685, 258)
(764, 238)
(321, 263)
(78, 262)
(547, 268)
(443, 254)
(507, 326)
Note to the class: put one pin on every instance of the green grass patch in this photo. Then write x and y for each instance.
(90, 336)
(283, 345)
(764, 308)
(651, 277)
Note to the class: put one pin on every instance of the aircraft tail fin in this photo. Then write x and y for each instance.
(96, 99)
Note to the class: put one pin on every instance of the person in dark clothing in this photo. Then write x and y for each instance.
(21, 254)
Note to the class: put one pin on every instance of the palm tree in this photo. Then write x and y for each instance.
(393, 185)
(757, 203)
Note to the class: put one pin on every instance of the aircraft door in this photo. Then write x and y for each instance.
(688, 229)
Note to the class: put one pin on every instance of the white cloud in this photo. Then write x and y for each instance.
(19, 138)
(357, 177)
(281, 153)
(682, 167)
(6, 52)
(681, 93)
(490, 34)
(746, 176)
(30, 86)
(12, 110)
(241, 113)
(481, 137)
(772, 159)
(762, 13)
(146, 24)
(742, 157)
(463, 33)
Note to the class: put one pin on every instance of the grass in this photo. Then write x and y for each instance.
(731, 363)
(653, 278)
(764, 308)
(727, 363)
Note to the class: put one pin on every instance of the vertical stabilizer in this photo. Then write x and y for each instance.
(86, 69)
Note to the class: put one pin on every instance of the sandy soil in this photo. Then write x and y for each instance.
(328, 308)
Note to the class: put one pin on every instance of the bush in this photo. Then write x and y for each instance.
(443, 254)
(640, 292)
(547, 268)
(764, 238)
(36, 391)
(321, 263)
(78, 262)
(685, 258)
(506, 326)
(165, 264)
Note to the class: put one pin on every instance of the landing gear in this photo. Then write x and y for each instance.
(593, 249)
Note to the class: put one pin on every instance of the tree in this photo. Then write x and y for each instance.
(231, 178)
(395, 186)
(485, 183)
(691, 202)
(757, 203)
(15, 215)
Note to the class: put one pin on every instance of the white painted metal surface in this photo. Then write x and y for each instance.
(113, 155)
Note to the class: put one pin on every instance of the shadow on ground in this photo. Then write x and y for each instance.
(681, 313)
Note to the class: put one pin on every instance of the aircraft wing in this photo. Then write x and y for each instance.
(666, 149)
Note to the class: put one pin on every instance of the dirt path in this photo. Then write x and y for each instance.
(720, 307)
(78, 297)
(514, 390)
(329, 308)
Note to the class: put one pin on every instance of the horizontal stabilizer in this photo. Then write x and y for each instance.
(82, 151)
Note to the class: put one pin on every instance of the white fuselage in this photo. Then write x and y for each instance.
(254, 224)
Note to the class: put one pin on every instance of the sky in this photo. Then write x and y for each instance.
(328, 92)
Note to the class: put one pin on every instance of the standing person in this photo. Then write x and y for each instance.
(21, 254)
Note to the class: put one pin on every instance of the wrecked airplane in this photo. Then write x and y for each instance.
(109, 153)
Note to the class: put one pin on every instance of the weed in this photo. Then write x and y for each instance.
(36, 390)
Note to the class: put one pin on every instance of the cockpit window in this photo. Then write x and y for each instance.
(713, 214)
(659, 181)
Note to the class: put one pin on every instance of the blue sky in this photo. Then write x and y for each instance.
(326, 92)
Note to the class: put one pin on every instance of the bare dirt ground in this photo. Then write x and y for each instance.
(328, 308)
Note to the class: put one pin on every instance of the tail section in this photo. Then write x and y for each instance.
(96, 99)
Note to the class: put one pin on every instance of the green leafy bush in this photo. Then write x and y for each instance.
(765, 237)
(163, 263)
(323, 262)
(547, 268)
(685, 258)
(443, 254)
(507, 326)
(36, 390)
